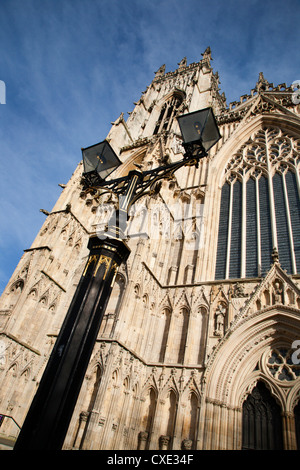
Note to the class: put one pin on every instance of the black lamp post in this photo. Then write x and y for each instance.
(48, 418)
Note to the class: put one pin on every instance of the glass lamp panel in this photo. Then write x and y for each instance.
(100, 158)
(210, 134)
(199, 126)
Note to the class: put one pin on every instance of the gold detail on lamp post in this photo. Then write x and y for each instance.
(103, 260)
(92, 259)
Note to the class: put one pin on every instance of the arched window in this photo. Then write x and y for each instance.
(147, 417)
(97, 375)
(164, 331)
(189, 427)
(260, 208)
(177, 347)
(168, 415)
(167, 113)
(262, 423)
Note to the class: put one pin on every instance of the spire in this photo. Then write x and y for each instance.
(262, 83)
(182, 63)
(205, 62)
(207, 54)
(161, 71)
(275, 255)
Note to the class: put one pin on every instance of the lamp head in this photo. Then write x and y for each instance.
(199, 127)
(100, 159)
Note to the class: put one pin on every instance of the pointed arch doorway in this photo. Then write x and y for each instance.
(262, 421)
(297, 424)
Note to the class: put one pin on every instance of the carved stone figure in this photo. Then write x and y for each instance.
(220, 320)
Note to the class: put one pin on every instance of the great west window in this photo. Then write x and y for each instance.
(260, 207)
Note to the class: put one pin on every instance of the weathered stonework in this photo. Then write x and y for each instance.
(179, 351)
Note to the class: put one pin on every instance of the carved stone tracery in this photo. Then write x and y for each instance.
(266, 152)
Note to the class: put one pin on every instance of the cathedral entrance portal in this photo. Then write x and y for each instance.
(262, 422)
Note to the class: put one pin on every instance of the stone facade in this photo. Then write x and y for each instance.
(184, 340)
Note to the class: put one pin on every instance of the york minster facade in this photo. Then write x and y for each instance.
(198, 347)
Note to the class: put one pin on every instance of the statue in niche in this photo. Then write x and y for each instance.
(220, 320)
(278, 291)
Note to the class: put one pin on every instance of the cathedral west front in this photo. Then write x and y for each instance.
(199, 346)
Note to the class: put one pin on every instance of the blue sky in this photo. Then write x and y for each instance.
(72, 66)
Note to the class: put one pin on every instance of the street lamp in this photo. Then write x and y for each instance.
(48, 418)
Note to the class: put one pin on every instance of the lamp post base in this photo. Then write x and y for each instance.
(49, 416)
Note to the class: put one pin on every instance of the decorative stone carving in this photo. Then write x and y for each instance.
(142, 440)
(164, 442)
(187, 444)
(84, 416)
(238, 290)
(161, 71)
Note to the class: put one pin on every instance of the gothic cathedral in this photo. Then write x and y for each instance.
(199, 347)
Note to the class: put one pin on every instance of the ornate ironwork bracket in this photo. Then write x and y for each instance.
(147, 180)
